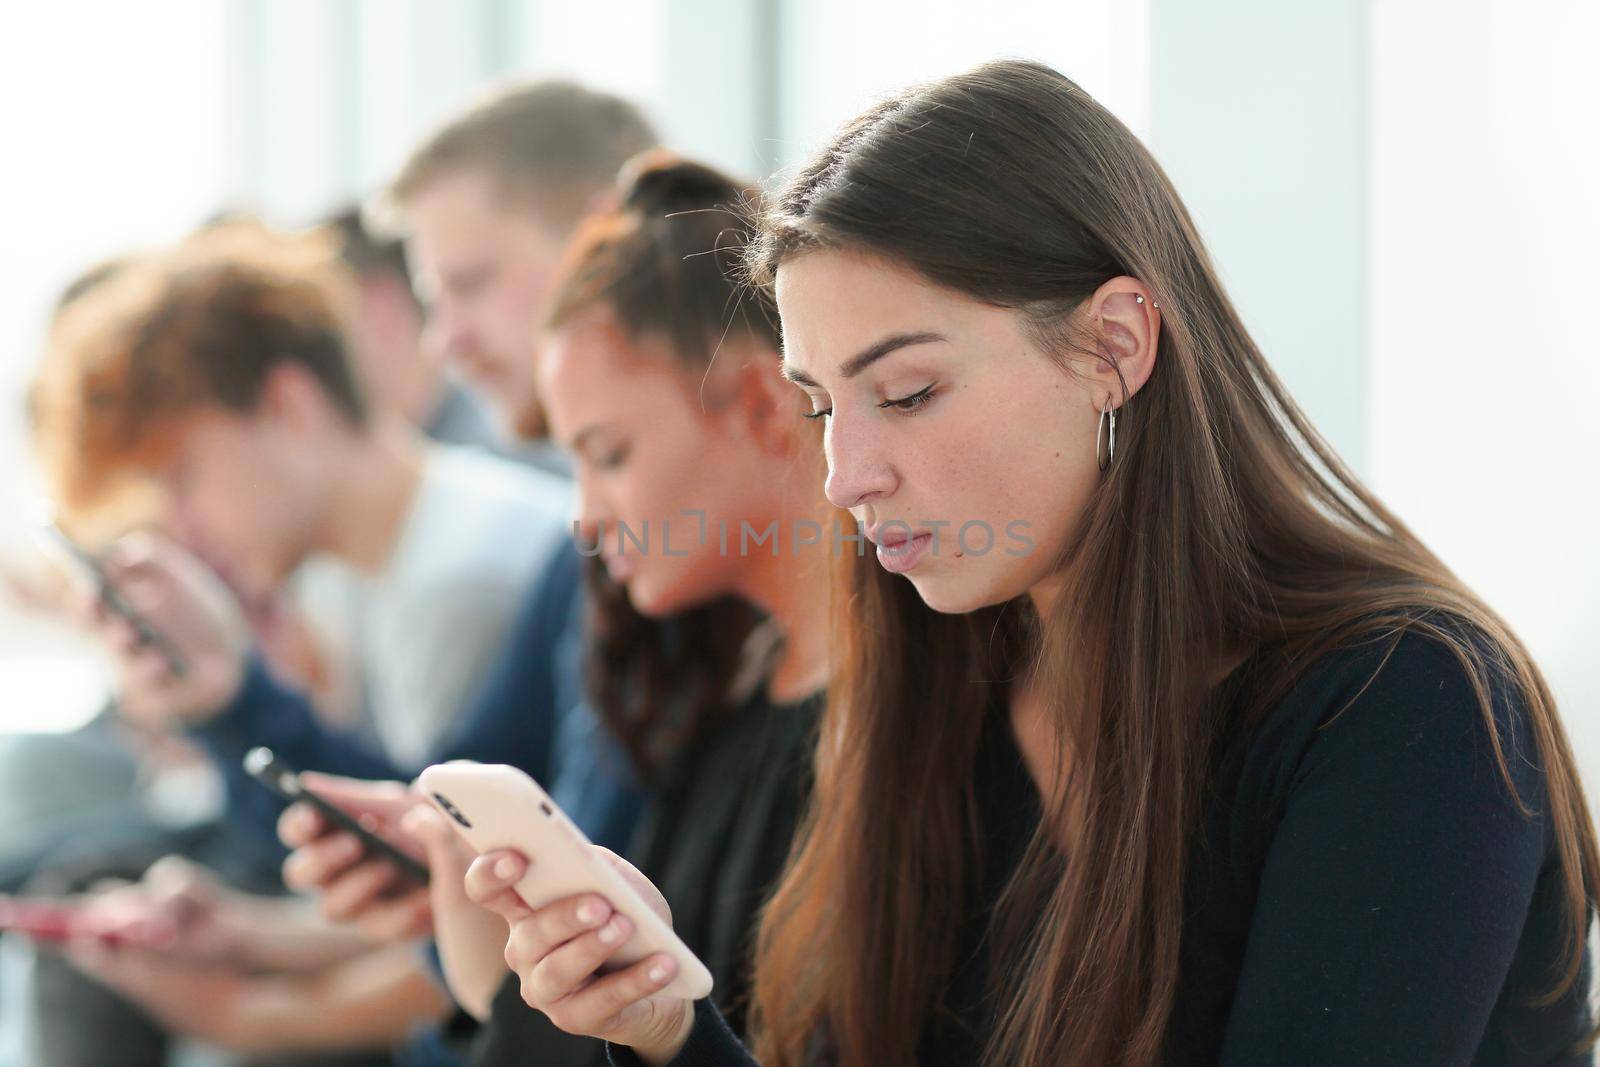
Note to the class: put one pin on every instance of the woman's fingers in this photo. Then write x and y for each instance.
(635, 878)
(350, 896)
(490, 880)
(558, 951)
(541, 932)
(398, 918)
(353, 885)
(620, 1005)
(569, 967)
(145, 669)
(300, 824)
(118, 632)
(320, 863)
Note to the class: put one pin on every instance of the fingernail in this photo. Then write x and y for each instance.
(506, 867)
(609, 932)
(586, 913)
(658, 973)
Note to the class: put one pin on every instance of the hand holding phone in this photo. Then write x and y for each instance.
(60, 921)
(146, 635)
(265, 767)
(564, 951)
(180, 638)
(496, 807)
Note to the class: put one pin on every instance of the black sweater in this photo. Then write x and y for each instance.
(713, 841)
(1362, 890)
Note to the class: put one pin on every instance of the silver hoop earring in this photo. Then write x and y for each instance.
(1107, 415)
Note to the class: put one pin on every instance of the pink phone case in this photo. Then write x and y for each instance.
(59, 921)
(494, 806)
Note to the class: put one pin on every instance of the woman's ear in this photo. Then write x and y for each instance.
(761, 397)
(1125, 323)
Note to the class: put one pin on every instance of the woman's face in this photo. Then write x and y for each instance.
(965, 451)
(647, 457)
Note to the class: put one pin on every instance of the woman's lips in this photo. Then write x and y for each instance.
(901, 556)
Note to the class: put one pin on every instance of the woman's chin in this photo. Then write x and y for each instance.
(958, 593)
(943, 595)
(653, 600)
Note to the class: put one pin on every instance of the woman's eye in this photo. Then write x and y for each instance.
(912, 402)
(817, 412)
(613, 459)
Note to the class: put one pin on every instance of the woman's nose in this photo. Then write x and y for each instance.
(858, 468)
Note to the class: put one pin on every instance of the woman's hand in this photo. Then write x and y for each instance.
(184, 912)
(351, 886)
(178, 907)
(471, 939)
(560, 951)
(354, 888)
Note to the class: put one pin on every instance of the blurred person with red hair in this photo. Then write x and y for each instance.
(222, 372)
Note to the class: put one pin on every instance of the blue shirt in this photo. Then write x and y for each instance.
(529, 713)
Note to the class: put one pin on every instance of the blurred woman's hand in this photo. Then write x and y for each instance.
(355, 888)
(559, 952)
(178, 907)
(471, 939)
(351, 886)
(185, 913)
(193, 611)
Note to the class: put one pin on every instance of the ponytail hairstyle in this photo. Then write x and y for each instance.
(664, 259)
(1225, 523)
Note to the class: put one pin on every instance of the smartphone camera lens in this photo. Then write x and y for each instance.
(451, 810)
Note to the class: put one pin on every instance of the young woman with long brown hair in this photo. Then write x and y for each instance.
(1177, 746)
(707, 653)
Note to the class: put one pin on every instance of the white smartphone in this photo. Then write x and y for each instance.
(494, 806)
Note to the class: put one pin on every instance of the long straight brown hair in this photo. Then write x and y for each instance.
(1224, 524)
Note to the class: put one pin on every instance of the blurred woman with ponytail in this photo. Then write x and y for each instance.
(707, 650)
(1225, 767)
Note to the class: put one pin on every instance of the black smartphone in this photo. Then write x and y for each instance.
(146, 634)
(264, 767)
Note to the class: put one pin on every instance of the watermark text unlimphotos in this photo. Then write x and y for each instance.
(975, 537)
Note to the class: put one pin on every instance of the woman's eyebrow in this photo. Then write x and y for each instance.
(867, 357)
